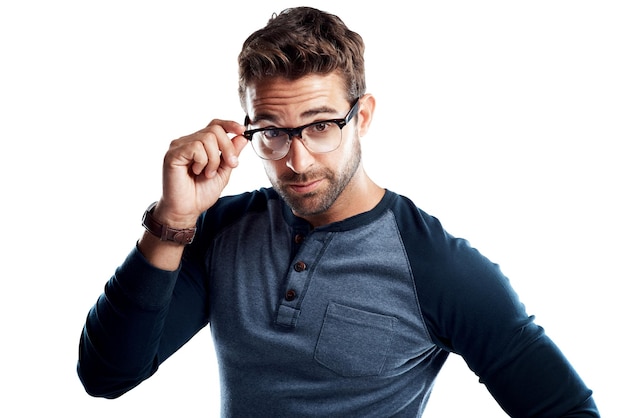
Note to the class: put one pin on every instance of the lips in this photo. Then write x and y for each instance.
(305, 187)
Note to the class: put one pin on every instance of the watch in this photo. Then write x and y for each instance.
(164, 232)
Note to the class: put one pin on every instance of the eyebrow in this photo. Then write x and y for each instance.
(268, 117)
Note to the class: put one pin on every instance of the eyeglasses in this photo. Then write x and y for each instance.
(319, 137)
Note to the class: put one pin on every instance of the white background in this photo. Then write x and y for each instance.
(503, 119)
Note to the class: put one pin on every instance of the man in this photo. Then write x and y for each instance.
(327, 294)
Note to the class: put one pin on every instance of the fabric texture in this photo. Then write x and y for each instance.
(352, 319)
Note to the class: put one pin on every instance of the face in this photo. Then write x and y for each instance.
(310, 183)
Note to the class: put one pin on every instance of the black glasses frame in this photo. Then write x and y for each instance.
(297, 132)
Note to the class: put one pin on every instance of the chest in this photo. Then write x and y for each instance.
(344, 300)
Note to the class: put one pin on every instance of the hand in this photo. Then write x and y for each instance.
(196, 169)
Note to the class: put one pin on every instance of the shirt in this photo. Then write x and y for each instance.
(351, 319)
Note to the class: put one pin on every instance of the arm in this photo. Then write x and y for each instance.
(471, 309)
(137, 323)
(488, 326)
(121, 337)
(196, 169)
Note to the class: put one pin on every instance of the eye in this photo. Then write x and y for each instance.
(272, 133)
(320, 127)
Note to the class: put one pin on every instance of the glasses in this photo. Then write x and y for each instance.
(318, 137)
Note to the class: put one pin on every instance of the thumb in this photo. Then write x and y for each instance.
(239, 142)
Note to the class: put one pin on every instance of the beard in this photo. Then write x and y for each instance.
(318, 201)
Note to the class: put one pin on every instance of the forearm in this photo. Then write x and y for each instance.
(486, 323)
(137, 322)
(540, 382)
(165, 238)
(121, 337)
(163, 255)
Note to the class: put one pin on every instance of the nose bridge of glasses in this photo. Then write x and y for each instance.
(294, 132)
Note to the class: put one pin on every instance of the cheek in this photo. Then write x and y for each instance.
(349, 148)
(270, 169)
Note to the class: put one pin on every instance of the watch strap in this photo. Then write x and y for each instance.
(164, 232)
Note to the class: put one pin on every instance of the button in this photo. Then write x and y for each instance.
(298, 238)
(290, 295)
(299, 266)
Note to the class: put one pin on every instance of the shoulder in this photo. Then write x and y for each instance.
(416, 226)
(457, 286)
(425, 237)
(230, 208)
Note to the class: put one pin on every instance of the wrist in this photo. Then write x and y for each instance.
(164, 231)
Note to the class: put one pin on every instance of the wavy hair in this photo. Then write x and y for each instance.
(302, 41)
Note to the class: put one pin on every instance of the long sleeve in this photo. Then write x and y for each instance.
(524, 370)
(472, 310)
(370, 306)
(136, 324)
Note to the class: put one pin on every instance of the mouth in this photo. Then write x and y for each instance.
(302, 188)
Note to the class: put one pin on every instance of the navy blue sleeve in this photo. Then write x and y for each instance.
(143, 316)
(471, 309)
(146, 314)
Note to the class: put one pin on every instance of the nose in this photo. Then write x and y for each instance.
(299, 158)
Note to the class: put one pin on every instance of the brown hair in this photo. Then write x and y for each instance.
(302, 41)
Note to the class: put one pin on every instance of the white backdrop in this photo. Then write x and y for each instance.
(503, 119)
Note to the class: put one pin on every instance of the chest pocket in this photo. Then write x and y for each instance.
(354, 342)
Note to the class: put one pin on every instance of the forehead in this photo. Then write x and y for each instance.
(280, 96)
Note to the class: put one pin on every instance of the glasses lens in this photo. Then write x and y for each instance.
(322, 137)
(272, 144)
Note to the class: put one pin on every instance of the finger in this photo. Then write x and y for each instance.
(229, 126)
(213, 149)
(230, 152)
(186, 152)
(198, 152)
(239, 143)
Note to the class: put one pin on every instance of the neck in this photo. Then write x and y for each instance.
(360, 195)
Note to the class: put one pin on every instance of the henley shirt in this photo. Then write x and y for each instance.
(351, 319)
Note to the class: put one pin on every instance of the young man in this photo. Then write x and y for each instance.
(327, 294)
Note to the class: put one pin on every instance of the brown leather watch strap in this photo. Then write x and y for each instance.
(164, 232)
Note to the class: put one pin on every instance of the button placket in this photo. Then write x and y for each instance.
(297, 280)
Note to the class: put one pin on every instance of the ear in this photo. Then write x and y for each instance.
(367, 106)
